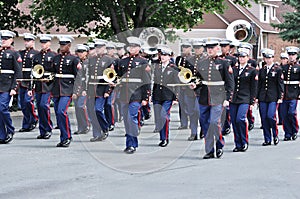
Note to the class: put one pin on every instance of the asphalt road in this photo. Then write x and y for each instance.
(32, 168)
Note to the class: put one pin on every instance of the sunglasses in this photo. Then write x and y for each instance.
(119, 48)
(110, 48)
(99, 45)
(185, 46)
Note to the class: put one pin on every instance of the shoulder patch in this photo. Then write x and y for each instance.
(19, 59)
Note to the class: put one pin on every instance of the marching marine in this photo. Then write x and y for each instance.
(30, 118)
(10, 70)
(43, 89)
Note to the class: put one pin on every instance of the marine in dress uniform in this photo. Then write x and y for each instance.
(118, 112)
(43, 89)
(80, 100)
(215, 92)
(66, 66)
(291, 73)
(109, 105)
(164, 96)
(269, 94)
(134, 90)
(245, 77)
(30, 118)
(10, 70)
(98, 93)
(185, 93)
(225, 49)
(253, 63)
(193, 99)
(284, 58)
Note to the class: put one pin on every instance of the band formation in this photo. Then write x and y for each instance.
(215, 82)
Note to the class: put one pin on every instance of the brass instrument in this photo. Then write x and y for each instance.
(185, 76)
(37, 73)
(240, 31)
(152, 36)
(109, 75)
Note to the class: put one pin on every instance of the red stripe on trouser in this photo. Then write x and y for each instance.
(32, 107)
(247, 124)
(167, 123)
(85, 113)
(48, 112)
(67, 119)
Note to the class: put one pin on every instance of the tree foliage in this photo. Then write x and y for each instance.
(290, 29)
(11, 17)
(105, 18)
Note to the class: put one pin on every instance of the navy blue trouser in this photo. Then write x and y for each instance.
(27, 107)
(238, 114)
(162, 110)
(210, 117)
(61, 105)
(6, 126)
(81, 113)
(289, 114)
(43, 108)
(267, 111)
(131, 122)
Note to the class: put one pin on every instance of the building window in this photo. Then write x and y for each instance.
(273, 12)
(265, 13)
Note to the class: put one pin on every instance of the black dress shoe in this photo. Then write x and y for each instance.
(182, 127)
(287, 139)
(209, 156)
(111, 128)
(250, 127)
(163, 143)
(56, 127)
(192, 138)
(96, 139)
(129, 150)
(85, 131)
(47, 135)
(8, 138)
(201, 135)
(65, 143)
(276, 140)
(266, 143)
(155, 131)
(236, 149)
(76, 132)
(219, 153)
(33, 125)
(294, 136)
(226, 132)
(104, 135)
(24, 130)
(244, 148)
(2, 141)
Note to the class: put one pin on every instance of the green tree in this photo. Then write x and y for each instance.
(106, 18)
(12, 17)
(290, 29)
